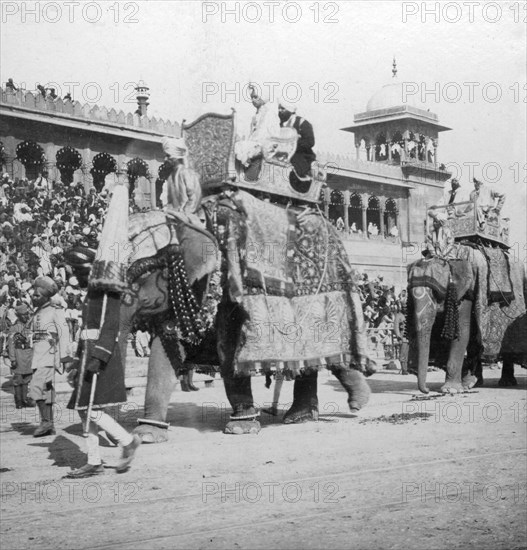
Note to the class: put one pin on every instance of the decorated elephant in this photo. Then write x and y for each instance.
(268, 288)
(474, 304)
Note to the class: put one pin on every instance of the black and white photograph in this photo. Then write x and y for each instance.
(263, 275)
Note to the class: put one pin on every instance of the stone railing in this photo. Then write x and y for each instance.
(352, 236)
(90, 112)
(334, 164)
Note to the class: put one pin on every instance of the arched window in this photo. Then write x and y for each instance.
(336, 206)
(102, 165)
(136, 168)
(32, 156)
(355, 213)
(68, 160)
(390, 218)
(372, 216)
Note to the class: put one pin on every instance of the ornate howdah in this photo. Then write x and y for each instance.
(462, 221)
(210, 140)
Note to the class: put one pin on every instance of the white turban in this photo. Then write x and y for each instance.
(260, 92)
(174, 147)
(287, 105)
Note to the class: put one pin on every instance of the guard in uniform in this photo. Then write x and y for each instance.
(51, 347)
(99, 376)
(20, 355)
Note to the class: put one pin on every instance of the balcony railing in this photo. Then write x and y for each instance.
(352, 236)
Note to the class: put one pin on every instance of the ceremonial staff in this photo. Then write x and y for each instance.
(95, 375)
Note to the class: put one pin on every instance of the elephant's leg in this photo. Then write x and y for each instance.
(424, 315)
(355, 384)
(305, 400)
(153, 428)
(243, 418)
(458, 348)
(507, 373)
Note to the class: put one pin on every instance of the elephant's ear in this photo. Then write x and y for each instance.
(463, 277)
(200, 252)
(148, 234)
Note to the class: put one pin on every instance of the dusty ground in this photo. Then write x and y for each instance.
(445, 472)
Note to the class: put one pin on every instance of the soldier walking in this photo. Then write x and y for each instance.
(51, 347)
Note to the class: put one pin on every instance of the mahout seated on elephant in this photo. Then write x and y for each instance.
(202, 294)
(473, 304)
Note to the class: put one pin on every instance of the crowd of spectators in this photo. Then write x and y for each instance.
(372, 231)
(384, 313)
(39, 220)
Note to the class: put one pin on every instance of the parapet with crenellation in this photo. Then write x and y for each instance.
(22, 100)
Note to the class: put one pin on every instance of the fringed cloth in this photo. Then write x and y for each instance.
(499, 284)
(290, 274)
(494, 319)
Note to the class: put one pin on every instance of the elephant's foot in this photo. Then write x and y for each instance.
(152, 433)
(469, 382)
(452, 387)
(244, 413)
(507, 381)
(301, 413)
(355, 384)
(240, 427)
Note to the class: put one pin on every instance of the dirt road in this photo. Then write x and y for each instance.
(446, 472)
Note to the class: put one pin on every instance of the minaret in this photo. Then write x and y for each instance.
(143, 93)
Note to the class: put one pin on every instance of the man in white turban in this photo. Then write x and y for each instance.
(183, 186)
(440, 240)
(265, 128)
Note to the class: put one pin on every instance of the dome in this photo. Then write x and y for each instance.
(393, 95)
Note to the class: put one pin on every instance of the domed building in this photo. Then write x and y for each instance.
(382, 191)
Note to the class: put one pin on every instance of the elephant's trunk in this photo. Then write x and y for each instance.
(422, 368)
(126, 317)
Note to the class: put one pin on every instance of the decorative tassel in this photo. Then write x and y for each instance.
(451, 326)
